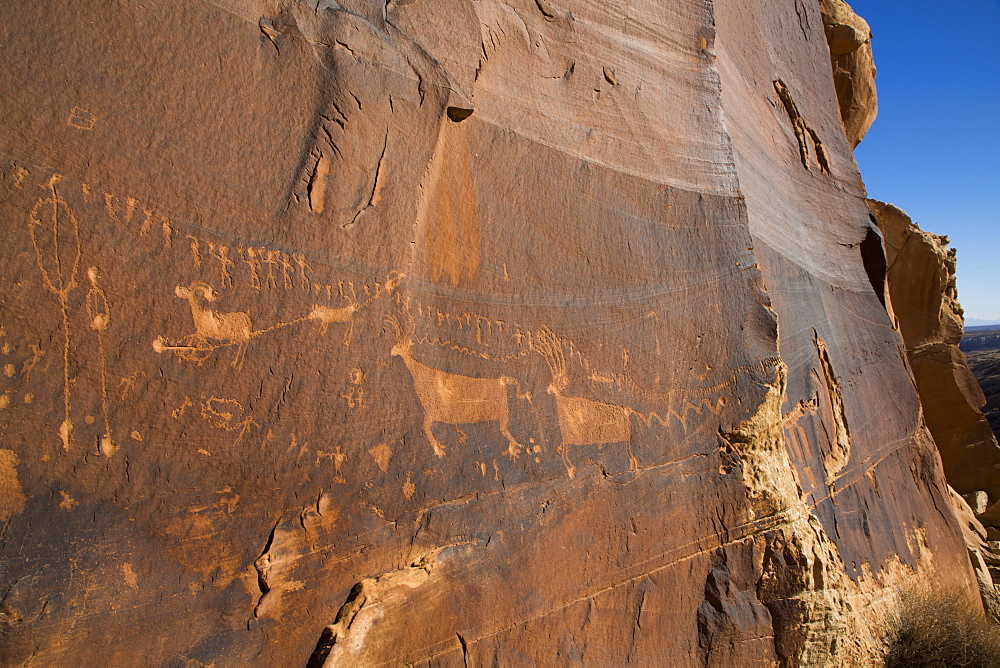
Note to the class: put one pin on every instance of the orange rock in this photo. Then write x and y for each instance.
(921, 278)
(849, 39)
(456, 332)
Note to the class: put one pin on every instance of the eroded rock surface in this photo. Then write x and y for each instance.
(921, 277)
(849, 39)
(452, 332)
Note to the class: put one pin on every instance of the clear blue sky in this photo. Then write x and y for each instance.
(934, 149)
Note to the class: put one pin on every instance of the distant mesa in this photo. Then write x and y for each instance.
(975, 323)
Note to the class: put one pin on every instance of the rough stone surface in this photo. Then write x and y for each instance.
(968, 518)
(992, 514)
(978, 501)
(984, 553)
(849, 39)
(452, 333)
(921, 276)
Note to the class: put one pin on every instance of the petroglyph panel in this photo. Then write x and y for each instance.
(394, 384)
(294, 305)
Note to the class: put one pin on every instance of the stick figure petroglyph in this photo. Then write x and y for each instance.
(354, 394)
(100, 316)
(55, 234)
(221, 253)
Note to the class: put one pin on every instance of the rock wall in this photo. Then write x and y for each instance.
(453, 332)
(921, 278)
(849, 39)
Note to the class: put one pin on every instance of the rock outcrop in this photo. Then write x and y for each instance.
(849, 38)
(921, 278)
(984, 551)
(449, 333)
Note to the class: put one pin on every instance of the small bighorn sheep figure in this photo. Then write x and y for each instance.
(326, 314)
(455, 399)
(226, 327)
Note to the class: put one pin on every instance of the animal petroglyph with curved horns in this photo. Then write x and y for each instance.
(210, 325)
(582, 421)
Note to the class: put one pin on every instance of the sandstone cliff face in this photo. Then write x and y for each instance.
(444, 333)
(849, 38)
(921, 278)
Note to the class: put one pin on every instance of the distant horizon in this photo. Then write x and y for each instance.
(931, 150)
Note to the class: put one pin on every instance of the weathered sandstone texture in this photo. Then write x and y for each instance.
(984, 552)
(849, 38)
(446, 333)
(921, 277)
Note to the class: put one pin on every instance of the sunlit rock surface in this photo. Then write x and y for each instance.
(446, 332)
(849, 38)
(921, 277)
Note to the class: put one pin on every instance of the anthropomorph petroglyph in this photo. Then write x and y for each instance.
(99, 313)
(55, 235)
(455, 399)
(354, 394)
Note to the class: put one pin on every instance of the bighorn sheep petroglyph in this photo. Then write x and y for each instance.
(582, 421)
(455, 399)
(226, 327)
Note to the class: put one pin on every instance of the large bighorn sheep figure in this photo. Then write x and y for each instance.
(455, 399)
(582, 421)
(226, 327)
